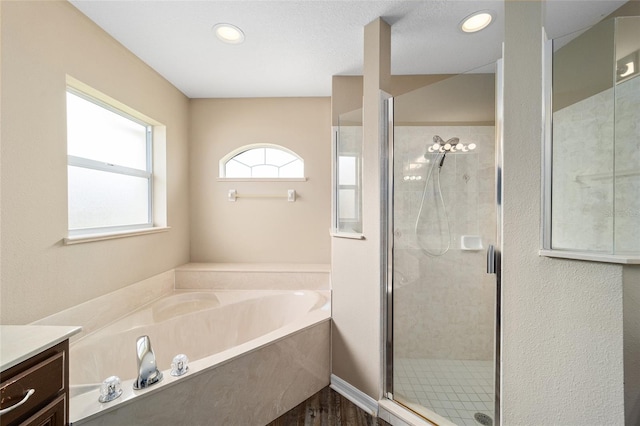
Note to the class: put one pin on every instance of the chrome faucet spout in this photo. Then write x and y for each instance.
(148, 373)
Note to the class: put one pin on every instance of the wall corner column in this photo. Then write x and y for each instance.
(561, 319)
(356, 281)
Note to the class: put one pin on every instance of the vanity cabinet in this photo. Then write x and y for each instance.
(45, 379)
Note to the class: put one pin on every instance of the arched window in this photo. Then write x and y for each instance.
(262, 161)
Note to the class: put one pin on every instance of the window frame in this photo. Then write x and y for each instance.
(86, 163)
(356, 187)
(231, 155)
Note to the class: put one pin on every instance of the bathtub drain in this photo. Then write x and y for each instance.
(483, 419)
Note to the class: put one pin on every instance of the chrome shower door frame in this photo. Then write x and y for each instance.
(387, 246)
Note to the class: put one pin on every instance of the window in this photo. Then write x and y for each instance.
(109, 166)
(349, 197)
(262, 161)
(347, 181)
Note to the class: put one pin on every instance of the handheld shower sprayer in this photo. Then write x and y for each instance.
(439, 149)
(442, 160)
(435, 154)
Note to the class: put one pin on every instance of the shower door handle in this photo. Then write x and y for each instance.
(492, 257)
(494, 266)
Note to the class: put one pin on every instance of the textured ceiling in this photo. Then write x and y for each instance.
(293, 47)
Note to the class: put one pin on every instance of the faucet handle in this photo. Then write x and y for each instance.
(110, 389)
(179, 365)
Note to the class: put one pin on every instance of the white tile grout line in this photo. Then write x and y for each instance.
(456, 389)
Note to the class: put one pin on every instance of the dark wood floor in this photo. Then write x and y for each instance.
(327, 408)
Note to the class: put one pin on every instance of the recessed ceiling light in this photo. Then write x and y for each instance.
(229, 33)
(477, 21)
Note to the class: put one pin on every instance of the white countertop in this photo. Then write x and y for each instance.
(21, 342)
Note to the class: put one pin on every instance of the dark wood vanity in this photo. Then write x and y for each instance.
(34, 388)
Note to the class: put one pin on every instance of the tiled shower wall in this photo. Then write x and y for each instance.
(627, 165)
(590, 137)
(443, 305)
(582, 192)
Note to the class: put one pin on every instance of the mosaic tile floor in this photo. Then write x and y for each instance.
(454, 389)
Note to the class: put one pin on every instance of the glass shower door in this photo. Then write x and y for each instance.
(444, 217)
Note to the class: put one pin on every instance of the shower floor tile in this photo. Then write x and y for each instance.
(455, 389)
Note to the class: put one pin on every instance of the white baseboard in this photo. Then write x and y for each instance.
(354, 395)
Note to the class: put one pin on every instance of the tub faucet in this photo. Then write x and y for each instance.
(148, 372)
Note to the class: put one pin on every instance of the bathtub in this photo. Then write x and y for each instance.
(254, 354)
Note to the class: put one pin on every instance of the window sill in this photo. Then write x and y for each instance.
(89, 238)
(224, 179)
(592, 257)
(350, 235)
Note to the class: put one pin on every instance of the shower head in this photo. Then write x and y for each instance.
(441, 147)
(451, 145)
(437, 146)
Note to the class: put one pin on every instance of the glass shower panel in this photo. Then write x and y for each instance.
(626, 207)
(583, 98)
(348, 216)
(595, 165)
(444, 218)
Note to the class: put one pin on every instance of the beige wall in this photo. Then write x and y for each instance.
(561, 319)
(346, 95)
(260, 230)
(356, 305)
(632, 345)
(562, 326)
(41, 43)
(346, 90)
(584, 67)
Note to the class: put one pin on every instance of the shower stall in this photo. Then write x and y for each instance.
(442, 306)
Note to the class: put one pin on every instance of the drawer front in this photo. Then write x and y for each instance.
(46, 378)
(51, 415)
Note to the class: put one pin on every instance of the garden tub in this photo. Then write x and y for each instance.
(253, 355)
